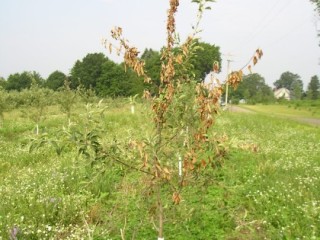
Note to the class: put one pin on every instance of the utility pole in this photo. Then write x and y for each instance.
(227, 84)
(228, 75)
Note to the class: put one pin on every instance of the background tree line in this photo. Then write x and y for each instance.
(253, 88)
(107, 78)
(97, 73)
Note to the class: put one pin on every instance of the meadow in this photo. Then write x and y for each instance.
(294, 109)
(267, 187)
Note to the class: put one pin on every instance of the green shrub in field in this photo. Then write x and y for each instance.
(37, 100)
(66, 99)
(86, 95)
(3, 102)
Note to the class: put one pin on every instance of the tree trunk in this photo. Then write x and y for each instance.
(160, 212)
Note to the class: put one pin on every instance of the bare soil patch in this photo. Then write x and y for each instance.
(233, 108)
(312, 121)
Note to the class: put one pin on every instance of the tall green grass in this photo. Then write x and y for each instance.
(277, 188)
(267, 188)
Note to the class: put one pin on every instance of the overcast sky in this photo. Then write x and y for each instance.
(49, 35)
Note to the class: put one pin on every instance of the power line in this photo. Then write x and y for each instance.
(261, 21)
(258, 30)
(288, 33)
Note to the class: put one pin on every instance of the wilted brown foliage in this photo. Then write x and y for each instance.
(184, 112)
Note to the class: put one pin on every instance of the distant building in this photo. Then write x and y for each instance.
(282, 93)
(242, 101)
(211, 80)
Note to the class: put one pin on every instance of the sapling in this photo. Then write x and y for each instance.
(86, 95)
(3, 103)
(38, 99)
(67, 99)
(179, 100)
(183, 113)
(132, 101)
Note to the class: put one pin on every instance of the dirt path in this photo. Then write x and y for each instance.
(233, 108)
(311, 121)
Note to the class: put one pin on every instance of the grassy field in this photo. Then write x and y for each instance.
(288, 110)
(267, 188)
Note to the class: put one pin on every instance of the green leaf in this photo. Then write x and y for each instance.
(56, 147)
(32, 147)
(104, 195)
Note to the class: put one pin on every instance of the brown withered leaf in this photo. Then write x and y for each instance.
(166, 173)
(179, 59)
(104, 42)
(249, 68)
(260, 53)
(255, 60)
(110, 48)
(216, 67)
(140, 147)
(183, 183)
(147, 79)
(146, 94)
(185, 50)
(144, 165)
(235, 78)
(166, 170)
(203, 163)
(120, 31)
(116, 32)
(240, 74)
(190, 166)
(249, 146)
(118, 51)
(176, 198)
(159, 169)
